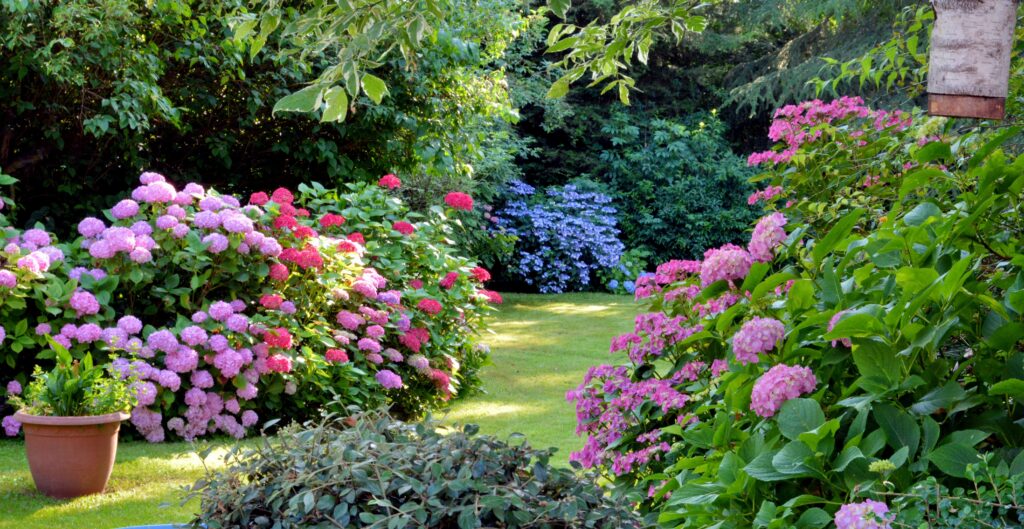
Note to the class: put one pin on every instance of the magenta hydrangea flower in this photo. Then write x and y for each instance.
(84, 303)
(150, 177)
(288, 307)
(120, 239)
(91, 227)
(43, 328)
(125, 209)
(375, 359)
(389, 379)
(180, 231)
(869, 514)
(211, 204)
(779, 384)
(140, 255)
(768, 234)
(730, 262)
(756, 336)
(8, 279)
(207, 220)
(375, 331)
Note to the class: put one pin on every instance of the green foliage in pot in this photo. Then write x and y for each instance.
(75, 388)
(374, 471)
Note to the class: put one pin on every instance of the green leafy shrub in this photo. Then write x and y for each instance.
(677, 185)
(993, 497)
(75, 388)
(92, 91)
(373, 471)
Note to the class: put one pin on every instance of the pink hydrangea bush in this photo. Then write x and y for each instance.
(851, 346)
(231, 311)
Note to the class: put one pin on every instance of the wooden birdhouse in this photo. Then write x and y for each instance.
(969, 61)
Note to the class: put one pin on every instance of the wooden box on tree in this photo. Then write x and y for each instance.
(969, 61)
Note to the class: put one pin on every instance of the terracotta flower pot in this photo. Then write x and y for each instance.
(71, 456)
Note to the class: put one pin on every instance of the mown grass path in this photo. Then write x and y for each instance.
(541, 347)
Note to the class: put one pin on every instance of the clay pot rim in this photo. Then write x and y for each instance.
(83, 420)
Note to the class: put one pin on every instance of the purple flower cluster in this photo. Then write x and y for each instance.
(768, 234)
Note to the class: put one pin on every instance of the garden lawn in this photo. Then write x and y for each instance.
(145, 477)
(542, 347)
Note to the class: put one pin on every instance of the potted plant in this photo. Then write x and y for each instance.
(71, 417)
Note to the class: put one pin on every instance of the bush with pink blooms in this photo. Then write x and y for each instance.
(232, 311)
(867, 338)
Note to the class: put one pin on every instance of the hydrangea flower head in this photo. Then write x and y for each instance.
(403, 227)
(779, 384)
(869, 514)
(730, 262)
(389, 181)
(768, 234)
(389, 379)
(757, 336)
(430, 306)
(459, 200)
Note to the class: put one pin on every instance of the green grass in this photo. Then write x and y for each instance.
(145, 488)
(542, 346)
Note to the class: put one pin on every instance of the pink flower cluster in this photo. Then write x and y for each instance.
(605, 406)
(779, 384)
(759, 335)
(768, 235)
(868, 514)
(794, 125)
(197, 377)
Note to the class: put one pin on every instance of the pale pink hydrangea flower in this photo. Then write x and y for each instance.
(869, 514)
(730, 262)
(768, 234)
(757, 336)
(779, 384)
